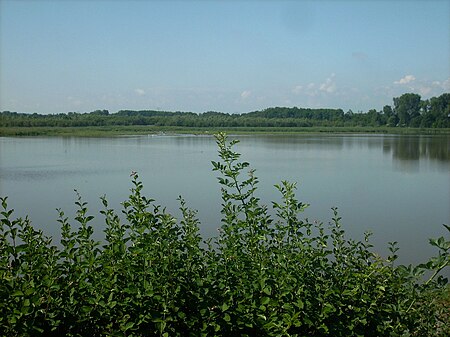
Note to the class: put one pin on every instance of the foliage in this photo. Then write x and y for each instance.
(409, 110)
(264, 275)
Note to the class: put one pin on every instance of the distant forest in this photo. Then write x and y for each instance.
(408, 110)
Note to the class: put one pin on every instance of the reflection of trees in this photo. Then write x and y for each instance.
(403, 148)
(407, 149)
(415, 148)
(300, 141)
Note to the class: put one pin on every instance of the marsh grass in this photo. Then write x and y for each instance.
(109, 131)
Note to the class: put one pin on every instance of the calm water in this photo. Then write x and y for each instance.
(396, 186)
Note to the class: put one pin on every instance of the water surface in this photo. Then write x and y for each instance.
(396, 186)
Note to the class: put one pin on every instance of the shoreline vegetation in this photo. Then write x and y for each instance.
(263, 275)
(408, 115)
(111, 131)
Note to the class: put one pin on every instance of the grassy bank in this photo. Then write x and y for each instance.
(108, 131)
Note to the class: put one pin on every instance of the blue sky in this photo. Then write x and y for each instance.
(229, 56)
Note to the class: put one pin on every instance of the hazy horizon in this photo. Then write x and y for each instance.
(227, 56)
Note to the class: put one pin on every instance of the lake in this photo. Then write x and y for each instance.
(396, 186)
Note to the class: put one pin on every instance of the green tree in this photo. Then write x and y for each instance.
(376, 118)
(440, 110)
(387, 111)
(407, 107)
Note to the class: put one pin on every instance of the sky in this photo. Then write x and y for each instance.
(228, 56)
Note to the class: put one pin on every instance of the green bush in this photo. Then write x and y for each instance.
(263, 275)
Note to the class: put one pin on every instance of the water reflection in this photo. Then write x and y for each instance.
(402, 148)
(416, 148)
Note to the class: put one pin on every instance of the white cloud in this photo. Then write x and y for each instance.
(140, 92)
(424, 90)
(312, 89)
(405, 80)
(329, 85)
(245, 94)
(297, 89)
(445, 85)
(434, 88)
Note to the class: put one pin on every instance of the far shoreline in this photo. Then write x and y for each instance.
(112, 131)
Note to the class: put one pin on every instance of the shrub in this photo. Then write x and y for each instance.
(263, 275)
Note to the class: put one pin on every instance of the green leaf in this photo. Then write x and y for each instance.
(265, 300)
(127, 326)
(264, 318)
(267, 290)
(225, 307)
(86, 309)
(29, 291)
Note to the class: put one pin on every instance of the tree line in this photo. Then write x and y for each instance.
(408, 110)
